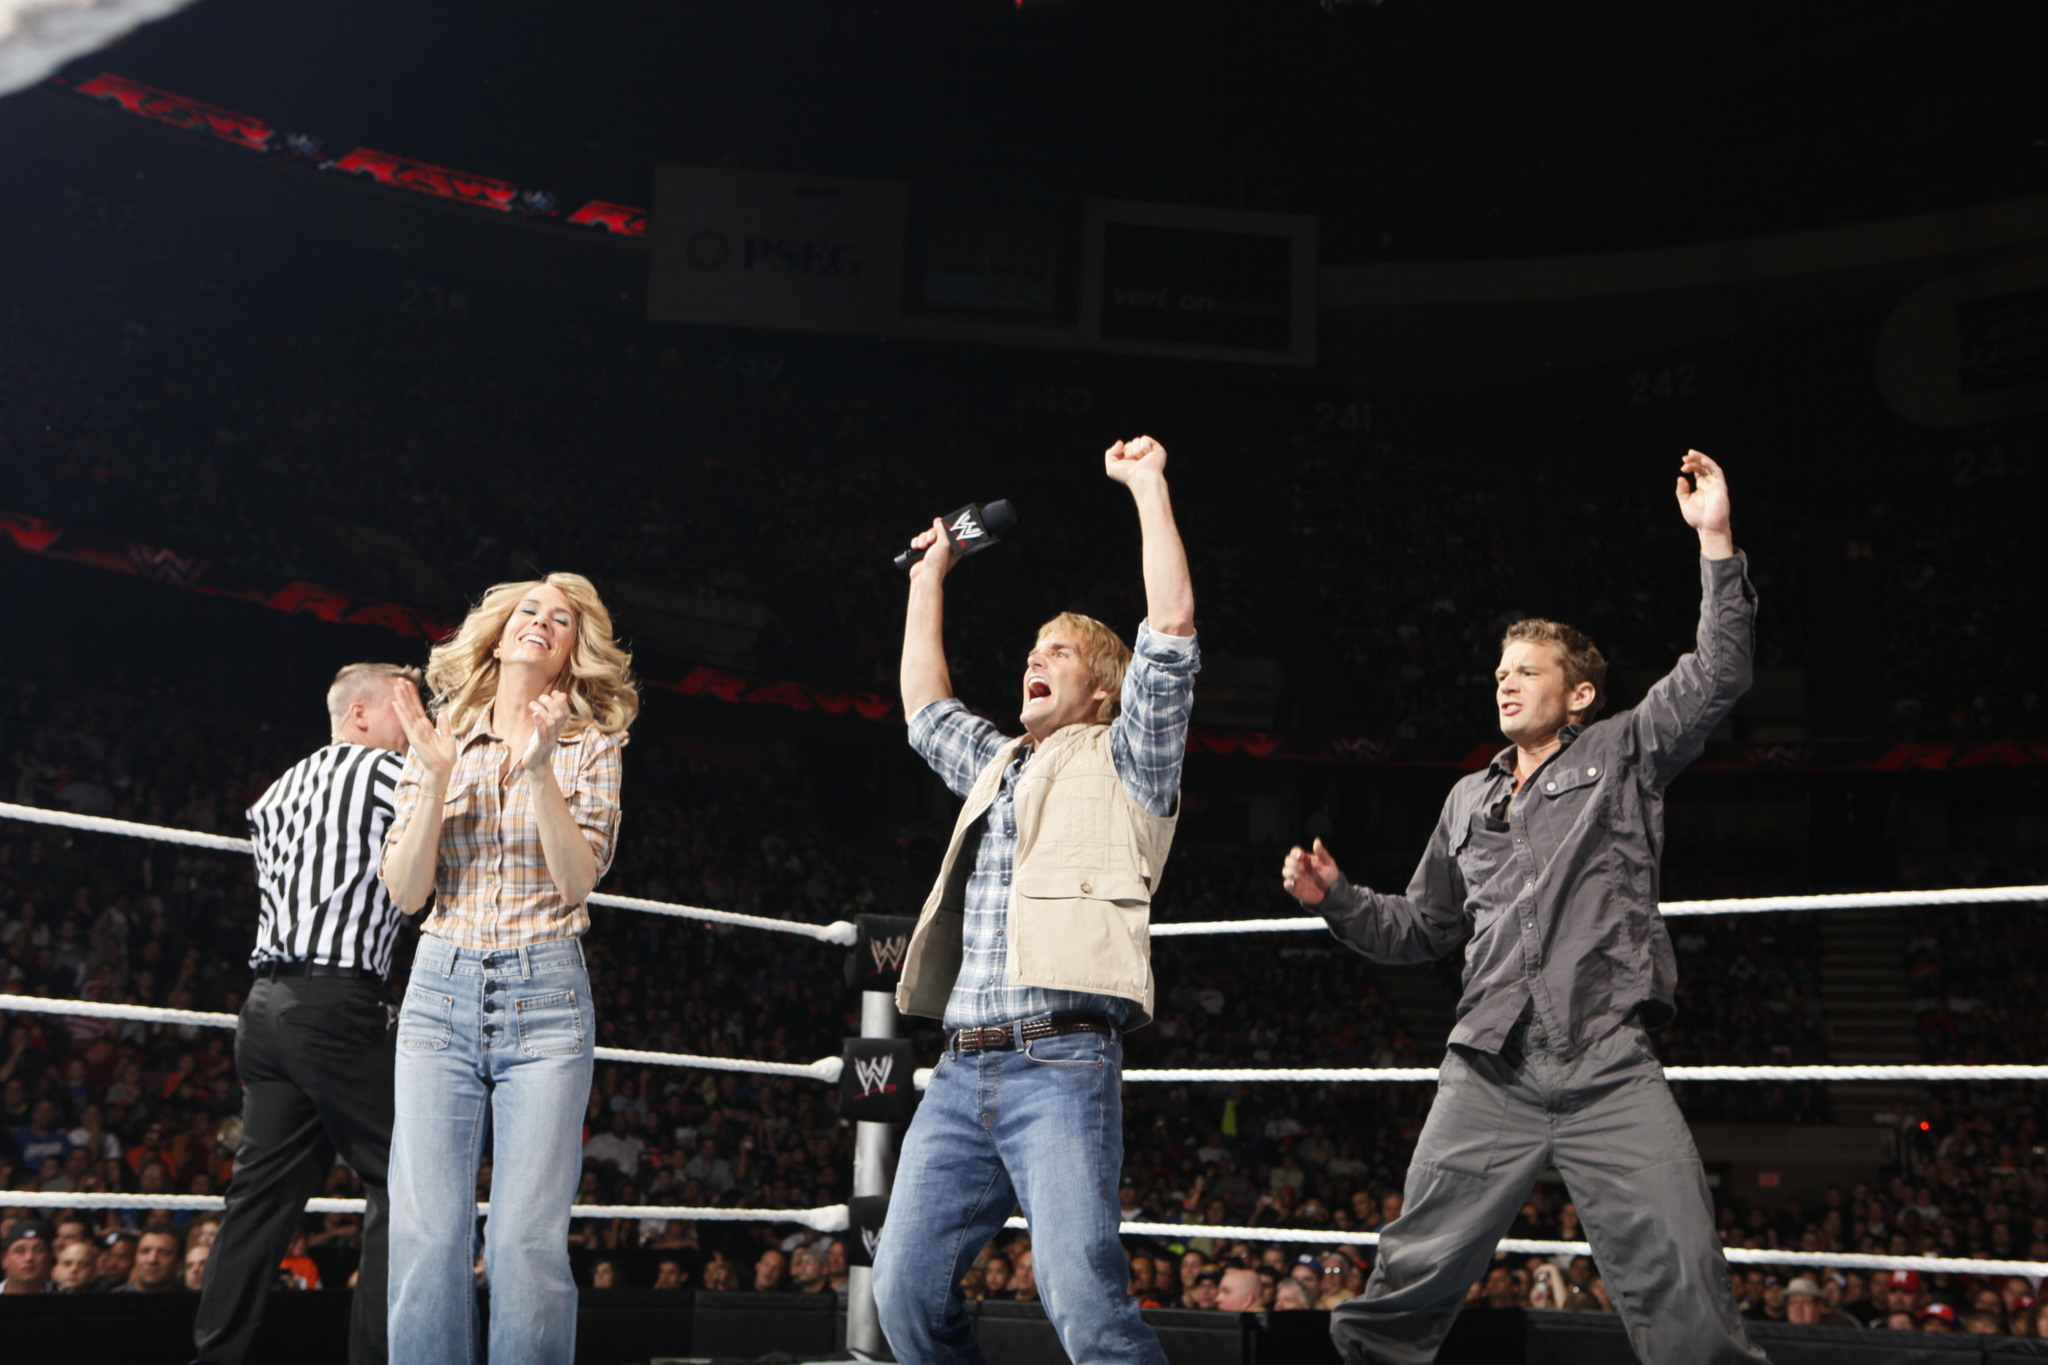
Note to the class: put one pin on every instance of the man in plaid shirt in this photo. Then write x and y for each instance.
(1034, 949)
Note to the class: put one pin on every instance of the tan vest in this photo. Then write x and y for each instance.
(1088, 860)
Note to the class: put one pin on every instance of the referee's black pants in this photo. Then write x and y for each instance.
(315, 1057)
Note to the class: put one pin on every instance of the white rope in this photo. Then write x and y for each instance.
(839, 931)
(99, 824)
(93, 1009)
(1190, 928)
(831, 1218)
(1419, 1075)
(1860, 900)
(1752, 905)
(1856, 1073)
(1841, 1260)
(1413, 1074)
(845, 933)
(828, 1069)
(825, 1069)
(1369, 1074)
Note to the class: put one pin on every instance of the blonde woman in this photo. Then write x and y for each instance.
(507, 810)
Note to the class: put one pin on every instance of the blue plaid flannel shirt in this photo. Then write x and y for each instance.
(1148, 742)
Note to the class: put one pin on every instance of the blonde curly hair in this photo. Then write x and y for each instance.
(463, 674)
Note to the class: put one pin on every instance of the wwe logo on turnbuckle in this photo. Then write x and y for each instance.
(873, 1075)
(888, 952)
(965, 527)
(871, 1238)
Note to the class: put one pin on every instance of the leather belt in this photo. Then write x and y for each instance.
(1002, 1037)
(274, 969)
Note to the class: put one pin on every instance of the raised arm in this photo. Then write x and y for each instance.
(1140, 465)
(924, 675)
(1671, 725)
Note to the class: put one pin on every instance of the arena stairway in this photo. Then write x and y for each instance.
(1869, 1012)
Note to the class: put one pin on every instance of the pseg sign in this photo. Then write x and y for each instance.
(754, 249)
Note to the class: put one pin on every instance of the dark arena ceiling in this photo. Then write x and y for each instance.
(1416, 128)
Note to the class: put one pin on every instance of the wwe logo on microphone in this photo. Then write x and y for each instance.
(873, 1074)
(888, 952)
(965, 527)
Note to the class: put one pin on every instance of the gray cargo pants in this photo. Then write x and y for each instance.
(1606, 1119)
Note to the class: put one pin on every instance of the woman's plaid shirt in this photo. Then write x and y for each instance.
(492, 888)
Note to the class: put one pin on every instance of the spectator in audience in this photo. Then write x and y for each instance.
(159, 1263)
(1239, 1291)
(42, 1137)
(1855, 1301)
(1547, 1288)
(771, 1272)
(298, 1270)
(669, 1274)
(1024, 1276)
(807, 1272)
(713, 1170)
(1770, 1305)
(116, 1263)
(75, 1271)
(996, 1274)
(196, 1256)
(837, 1273)
(27, 1258)
(619, 1148)
(1805, 1306)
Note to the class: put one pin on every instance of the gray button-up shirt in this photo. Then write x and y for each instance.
(1558, 903)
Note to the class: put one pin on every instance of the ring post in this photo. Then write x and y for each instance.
(871, 1149)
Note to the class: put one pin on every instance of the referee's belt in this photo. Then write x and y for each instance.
(272, 969)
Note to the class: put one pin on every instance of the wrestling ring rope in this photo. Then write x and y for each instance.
(835, 1218)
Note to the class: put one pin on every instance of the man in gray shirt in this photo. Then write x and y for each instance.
(1544, 867)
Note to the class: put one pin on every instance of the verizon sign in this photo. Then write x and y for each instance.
(754, 249)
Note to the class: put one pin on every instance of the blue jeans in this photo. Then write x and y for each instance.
(1041, 1126)
(494, 1042)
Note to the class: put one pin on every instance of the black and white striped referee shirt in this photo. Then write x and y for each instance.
(319, 831)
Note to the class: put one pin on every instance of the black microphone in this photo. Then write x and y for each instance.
(974, 527)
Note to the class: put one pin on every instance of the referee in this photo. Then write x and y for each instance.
(314, 1045)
